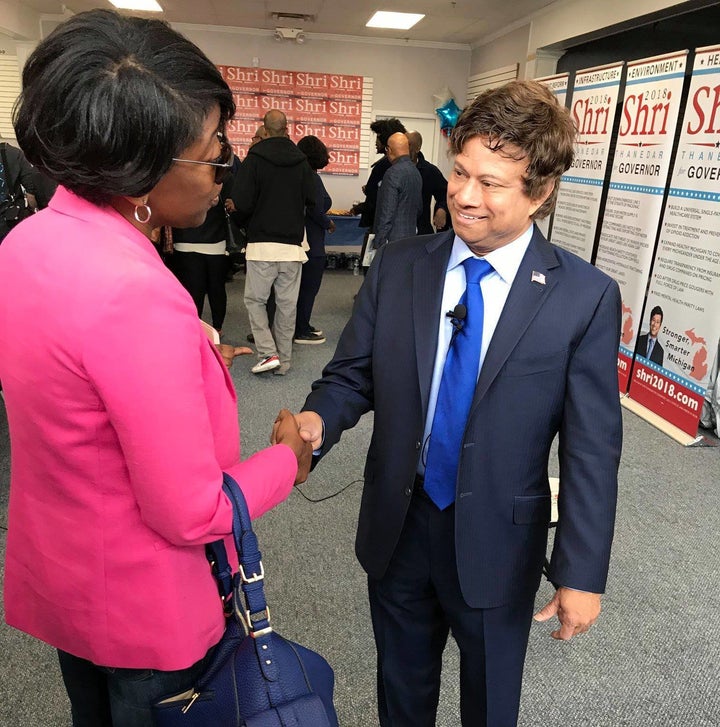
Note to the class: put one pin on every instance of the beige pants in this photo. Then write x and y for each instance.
(260, 278)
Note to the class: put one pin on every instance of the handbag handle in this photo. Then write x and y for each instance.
(246, 589)
(246, 586)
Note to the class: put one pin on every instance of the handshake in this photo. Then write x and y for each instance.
(303, 433)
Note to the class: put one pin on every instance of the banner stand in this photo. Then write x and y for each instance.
(662, 424)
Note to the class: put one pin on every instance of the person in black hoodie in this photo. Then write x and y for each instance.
(271, 190)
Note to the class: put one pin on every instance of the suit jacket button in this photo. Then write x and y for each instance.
(417, 445)
(408, 491)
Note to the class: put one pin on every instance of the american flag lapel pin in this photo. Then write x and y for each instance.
(537, 277)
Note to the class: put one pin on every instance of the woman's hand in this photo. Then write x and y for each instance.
(229, 352)
(286, 431)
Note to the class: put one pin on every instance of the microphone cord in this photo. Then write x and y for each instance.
(327, 497)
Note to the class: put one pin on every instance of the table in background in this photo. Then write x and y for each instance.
(348, 235)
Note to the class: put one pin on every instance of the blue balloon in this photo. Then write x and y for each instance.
(448, 113)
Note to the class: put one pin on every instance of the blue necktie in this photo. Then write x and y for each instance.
(457, 387)
(651, 343)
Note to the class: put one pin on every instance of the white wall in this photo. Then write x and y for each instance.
(7, 44)
(567, 19)
(405, 76)
(504, 51)
(554, 25)
(18, 21)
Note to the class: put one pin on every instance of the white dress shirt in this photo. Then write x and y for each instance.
(495, 288)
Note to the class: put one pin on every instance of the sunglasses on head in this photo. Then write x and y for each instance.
(223, 164)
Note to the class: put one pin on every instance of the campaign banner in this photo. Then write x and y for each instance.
(594, 102)
(307, 110)
(558, 85)
(685, 284)
(640, 168)
(293, 83)
(326, 105)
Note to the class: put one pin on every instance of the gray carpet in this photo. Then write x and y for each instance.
(653, 660)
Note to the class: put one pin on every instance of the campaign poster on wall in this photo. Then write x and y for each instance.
(640, 168)
(326, 105)
(558, 84)
(594, 102)
(685, 285)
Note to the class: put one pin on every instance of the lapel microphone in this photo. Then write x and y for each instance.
(457, 316)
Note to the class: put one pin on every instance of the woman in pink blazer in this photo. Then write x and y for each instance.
(122, 415)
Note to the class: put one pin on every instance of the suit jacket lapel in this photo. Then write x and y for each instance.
(523, 302)
(428, 283)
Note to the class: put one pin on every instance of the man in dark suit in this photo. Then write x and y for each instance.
(16, 175)
(383, 130)
(546, 366)
(399, 200)
(647, 344)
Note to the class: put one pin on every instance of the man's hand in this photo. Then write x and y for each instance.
(310, 427)
(440, 218)
(577, 611)
(331, 229)
(285, 431)
(229, 352)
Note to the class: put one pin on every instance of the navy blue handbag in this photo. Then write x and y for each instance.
(255, 678)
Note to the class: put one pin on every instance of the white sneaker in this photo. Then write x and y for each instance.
(311, 338)
(267, 364)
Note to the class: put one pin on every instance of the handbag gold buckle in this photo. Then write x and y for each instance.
(249, 620)
(255, 576)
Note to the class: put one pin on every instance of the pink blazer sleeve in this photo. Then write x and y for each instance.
(167, 397)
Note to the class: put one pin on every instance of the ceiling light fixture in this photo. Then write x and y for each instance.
(296, 34)
(396, 21)
(147, 6)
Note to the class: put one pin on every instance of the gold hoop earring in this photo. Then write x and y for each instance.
(148, 213)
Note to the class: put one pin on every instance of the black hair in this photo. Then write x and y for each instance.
(656, 311)
(315, 151)
(385, 128)
(109, 100)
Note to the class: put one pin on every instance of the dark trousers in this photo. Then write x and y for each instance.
(312, 273)
(203, 275)
(415, 605)
(109, 697)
